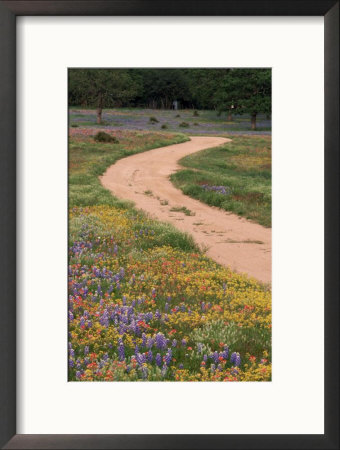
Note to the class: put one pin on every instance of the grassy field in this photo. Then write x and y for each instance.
(235, 177)
(144, 303)
(89, 159)
(184, 121)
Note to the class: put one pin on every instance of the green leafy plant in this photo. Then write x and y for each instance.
(101, 136)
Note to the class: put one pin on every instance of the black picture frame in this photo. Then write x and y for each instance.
(8, 12)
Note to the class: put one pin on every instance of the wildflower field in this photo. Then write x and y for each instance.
(187, 121)
(144, 302)
(235, 176)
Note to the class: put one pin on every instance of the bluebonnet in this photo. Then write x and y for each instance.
(224, 190)
(140, 358)
(160, 340)
(215, 357)
(143, 340)
(121, 350)
(225, 352)
(168, 357)
(150, 342)
(158, 360)
(235, 359)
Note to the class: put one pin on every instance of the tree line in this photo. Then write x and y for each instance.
(234, 91)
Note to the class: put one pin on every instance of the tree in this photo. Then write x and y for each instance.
(101, 87)
(202, 85)
(245, 91)
(161, 87)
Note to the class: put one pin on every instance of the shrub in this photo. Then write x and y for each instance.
(219, 113)
(177, 115)
(196, 113)
(196, 124)
(183, 124)
(153, 119)
(101, 136)
(164, 126)
(74, 125)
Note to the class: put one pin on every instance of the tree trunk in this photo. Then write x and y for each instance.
(100, 109)
(253, 121)
(229, 117)
(99, 115)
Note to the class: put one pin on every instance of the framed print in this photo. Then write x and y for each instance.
(147, 152)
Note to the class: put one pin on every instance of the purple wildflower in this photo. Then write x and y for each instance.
(158, 360)
(235, 359)
(149, 356)
(160, 340)
(121, 350)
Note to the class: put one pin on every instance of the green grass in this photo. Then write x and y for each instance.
(182, 209)
(243, 166)
(89, 159)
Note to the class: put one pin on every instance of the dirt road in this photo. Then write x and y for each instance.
(232, 241)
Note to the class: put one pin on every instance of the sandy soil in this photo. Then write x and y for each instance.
(230, 240)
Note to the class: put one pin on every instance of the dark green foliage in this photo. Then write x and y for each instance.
(184, 125)
(153, 119)
(164, 126)
(234, 91)
(101, 136)
(74, 125)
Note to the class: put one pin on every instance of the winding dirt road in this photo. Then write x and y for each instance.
(230, 240)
